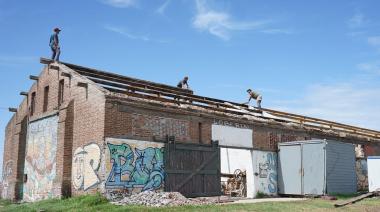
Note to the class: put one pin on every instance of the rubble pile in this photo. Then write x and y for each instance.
(158, 199)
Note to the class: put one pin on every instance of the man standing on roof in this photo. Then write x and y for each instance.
(254, 95)
(183, 83)
(54, 45)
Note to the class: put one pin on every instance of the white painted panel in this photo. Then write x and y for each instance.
(232, 159)
(232, 136)
(373, 173)
(265, 172)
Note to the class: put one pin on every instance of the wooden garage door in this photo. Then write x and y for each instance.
(192, 169)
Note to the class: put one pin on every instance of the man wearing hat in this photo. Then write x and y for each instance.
(254, 95)
(54, 44)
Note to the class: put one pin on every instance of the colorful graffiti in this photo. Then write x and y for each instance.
(136, 169)
(40, 160)
(86, 162)
(7, 174)
(267, 163)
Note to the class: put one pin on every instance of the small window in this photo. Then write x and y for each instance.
(61, 91)
(33, 103)
(46, 98)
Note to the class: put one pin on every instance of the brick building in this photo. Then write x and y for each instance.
(80, 130)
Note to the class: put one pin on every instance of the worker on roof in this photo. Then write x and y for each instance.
(183, 83)
(54, 45)
(254, 95)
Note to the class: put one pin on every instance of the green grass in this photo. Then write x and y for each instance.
(99, 203)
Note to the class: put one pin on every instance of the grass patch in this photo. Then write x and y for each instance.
(99, 203)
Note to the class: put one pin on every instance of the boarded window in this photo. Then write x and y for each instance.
(61, 91)
(46, 98)
(33, 103)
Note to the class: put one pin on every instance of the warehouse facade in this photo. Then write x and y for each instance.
(80, 130)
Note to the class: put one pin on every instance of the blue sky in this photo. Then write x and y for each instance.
(317, 58)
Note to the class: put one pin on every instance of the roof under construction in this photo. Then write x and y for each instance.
(119, 86)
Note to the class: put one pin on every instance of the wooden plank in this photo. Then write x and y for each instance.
(192, 98)
(32, 77)
(144, 96)
(86, 70)
(355, 199)
(176, 171)
(13, 110)
(194, 148)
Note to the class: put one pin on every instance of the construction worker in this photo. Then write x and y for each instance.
(183, 83)
(254, 95)
(54, 45)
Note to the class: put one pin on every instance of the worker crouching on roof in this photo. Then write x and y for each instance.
(254, 95)
(54, 45)
(183, 83)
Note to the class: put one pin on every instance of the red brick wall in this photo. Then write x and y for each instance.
(155, 124)
(14, 154)
(267, 138)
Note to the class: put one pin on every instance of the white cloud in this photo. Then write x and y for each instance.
(124, 32)
(161, 10)
(120, 3)
(277, 31)
(220, 24)
(370, 67)
(356, 21)
(374, 41)
(348, 103)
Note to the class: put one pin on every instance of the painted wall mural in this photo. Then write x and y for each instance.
(266, 166)
(86, 162)
(40, 160)
(135, 165)
(7, 175)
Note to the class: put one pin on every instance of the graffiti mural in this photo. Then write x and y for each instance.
(86, 162)
(267, 172)
(135, 166)
(7, 175)
(40, 160)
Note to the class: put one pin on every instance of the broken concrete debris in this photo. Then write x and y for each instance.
(159, 199)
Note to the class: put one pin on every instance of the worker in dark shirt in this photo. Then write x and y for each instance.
(183, 83)
(54, 45)
(254, 95)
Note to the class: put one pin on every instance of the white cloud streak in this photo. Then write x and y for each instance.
(220, 24)
(370, 67)
(161, 10)
(120, 3)
(356, 21)
(124, 32)
(348, 103)
(374, 41)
